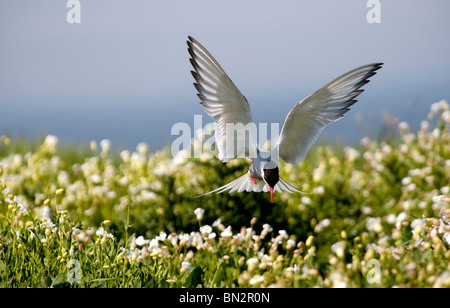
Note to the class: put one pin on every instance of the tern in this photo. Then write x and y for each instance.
(226, 105)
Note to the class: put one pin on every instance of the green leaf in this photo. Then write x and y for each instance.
(194, 278)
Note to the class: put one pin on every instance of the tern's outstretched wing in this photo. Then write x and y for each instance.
(222, 101)
(307, 119)
(245, 183)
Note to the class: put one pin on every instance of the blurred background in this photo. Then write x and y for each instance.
(123, 73)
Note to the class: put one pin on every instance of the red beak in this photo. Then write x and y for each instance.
(271, 194)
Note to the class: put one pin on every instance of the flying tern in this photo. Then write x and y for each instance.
(223, 102)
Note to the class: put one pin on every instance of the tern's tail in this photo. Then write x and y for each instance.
(245, 183)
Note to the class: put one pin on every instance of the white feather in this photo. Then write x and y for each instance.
(307, 119)
(222, 101)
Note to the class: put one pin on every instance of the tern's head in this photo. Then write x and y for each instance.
(271, 176)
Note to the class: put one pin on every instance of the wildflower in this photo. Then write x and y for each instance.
(227, 232)
(257, 279)
(321, 225)
(50, 143)
(400, 218)
(403, 127)
(199, 213)
(205, 230)
(443, 281)
(154, 244)
(306, 200)
(283, 234)
(140, 241)
(319, 190)
(102, 232)
(290, 244)
(374, 224)
(105, 145)
(95, 178)
(439, 199)
(351, 154)
(181, 157)
(406, 181)
(162, 236)
(142, 148)
(446, 116)
(339, 249)
(438, 107)
(186, 267)
(267, 227)
(125, 155)
(296, 269)
(252, 263)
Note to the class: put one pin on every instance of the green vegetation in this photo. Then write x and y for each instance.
(377, 216)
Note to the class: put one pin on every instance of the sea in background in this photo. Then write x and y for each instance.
(123, 72)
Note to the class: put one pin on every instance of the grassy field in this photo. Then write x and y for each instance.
(378, 215)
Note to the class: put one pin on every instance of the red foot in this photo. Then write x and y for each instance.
(254, 180)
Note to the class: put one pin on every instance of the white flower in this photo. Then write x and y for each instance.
(443, 281)
(95, 178)
(351, 154)
(338, 248)
(154, 244)
(206, 231)
(446, 116)
(267, 227)
(390, 219)
(438, 199)
(296, 269)
(142, 148)
(125, 155)
(102, 232)
(181, 157)
(283, 234)
(319, 190)
(257, 279)
(140, 241)
(322, 224)
(438, 107)
(227, 232)
(51, 141)
(406, 181)
(374, 224)
(447, 237)
(199, 213)
(403, 126)
(162, 236)
(106, 145)
(186, 266)
(400, 218)
(306, 200)
(46, 213)
(290, 243)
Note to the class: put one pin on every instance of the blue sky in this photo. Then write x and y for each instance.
(123, 72)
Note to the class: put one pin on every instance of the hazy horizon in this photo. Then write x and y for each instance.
(123, 73)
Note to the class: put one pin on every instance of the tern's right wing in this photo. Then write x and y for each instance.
(307, 119)
(222, 101)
